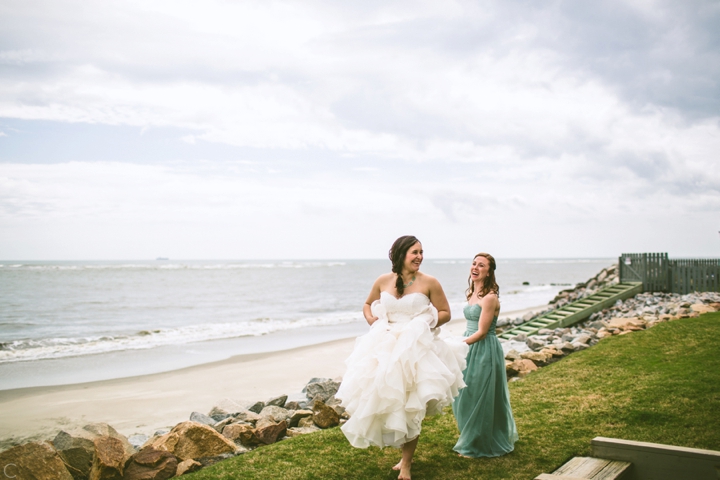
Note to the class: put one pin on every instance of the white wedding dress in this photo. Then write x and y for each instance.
(399, 372)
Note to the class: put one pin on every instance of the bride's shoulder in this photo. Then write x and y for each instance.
(428, 279)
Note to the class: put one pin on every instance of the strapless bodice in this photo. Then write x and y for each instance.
(472, 315)
(403, 309)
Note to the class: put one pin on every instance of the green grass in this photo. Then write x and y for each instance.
(659, 385)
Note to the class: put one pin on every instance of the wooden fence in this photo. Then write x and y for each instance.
(660, 274)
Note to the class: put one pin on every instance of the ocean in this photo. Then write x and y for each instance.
(71, 322)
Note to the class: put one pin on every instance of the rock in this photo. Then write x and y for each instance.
(151, 464)
(528, 316)
(162, 431)
(76, 448)
(268, 432)
(552, 352)
(577, 346)
(323, 390)
(525, 366)
(511, 368)
(306, 422)
(277, 401)
(109, 460)
(217, 411)
(567, 337)
(219, 426)
(567, 347)
(520, 337)
(545, 331)
(105, 430)
(35, 460)
(188, 466)
(242, 434)
(192, 440)
(702, 308)
(293, 405)
(512, 355)
(256, 407)
(297, 431)
(202, 418)
(583, 338)
(297, 415)
(603, 334)
(597, 325)
(247, 416)
(324, 416)
(538, 358)
(534, 343)
(277, 414)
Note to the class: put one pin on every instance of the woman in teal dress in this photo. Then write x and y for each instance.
(482, 409)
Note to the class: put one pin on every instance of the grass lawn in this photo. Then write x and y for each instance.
(659, 385)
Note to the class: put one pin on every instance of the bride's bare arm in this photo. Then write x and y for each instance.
(374, 295)
(439, 301)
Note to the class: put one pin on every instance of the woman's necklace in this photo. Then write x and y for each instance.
(411, 282)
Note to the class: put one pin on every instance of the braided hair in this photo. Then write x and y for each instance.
(489, 284)
(397, 254)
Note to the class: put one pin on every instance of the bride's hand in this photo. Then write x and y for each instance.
(371, 320)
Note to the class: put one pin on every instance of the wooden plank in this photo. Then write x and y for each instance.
(658, 461)
(583, 467)
(552, 476)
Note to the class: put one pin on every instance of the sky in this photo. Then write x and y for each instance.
(318, 129)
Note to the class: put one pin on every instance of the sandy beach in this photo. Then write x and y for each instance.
(142, 404)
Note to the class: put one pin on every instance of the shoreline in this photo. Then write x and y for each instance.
(146, 403)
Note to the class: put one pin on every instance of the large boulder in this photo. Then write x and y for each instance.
(297, 415)
(322, 389)
(324, 416)
(151, 464)
(247, 416)
(243, 434)
(277, 401)
(36, 460)
(77, 449)
(192, 440)
(276, 414)
(269, 432)
(109, 460)
(188, 466)
(202, 418)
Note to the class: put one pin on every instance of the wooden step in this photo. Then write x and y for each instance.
(576, 311)
(588, 468)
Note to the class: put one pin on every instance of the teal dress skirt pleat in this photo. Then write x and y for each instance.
(482, 409)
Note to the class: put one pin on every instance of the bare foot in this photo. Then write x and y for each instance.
(404, 471)
(463, 456)
(399, 464)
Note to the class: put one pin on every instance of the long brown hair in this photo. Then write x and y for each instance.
(489, 284)
(397, 255)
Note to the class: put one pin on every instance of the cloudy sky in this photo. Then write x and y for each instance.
(317, 129)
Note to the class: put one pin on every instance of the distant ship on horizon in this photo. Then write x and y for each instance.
(162, 258)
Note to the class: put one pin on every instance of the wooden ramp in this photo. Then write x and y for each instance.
(588, 468)
(576, 311)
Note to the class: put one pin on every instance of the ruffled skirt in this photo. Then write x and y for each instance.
(397, 374)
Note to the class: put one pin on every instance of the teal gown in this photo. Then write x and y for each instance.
(482, 409)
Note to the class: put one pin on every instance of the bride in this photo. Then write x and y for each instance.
(401, 371)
